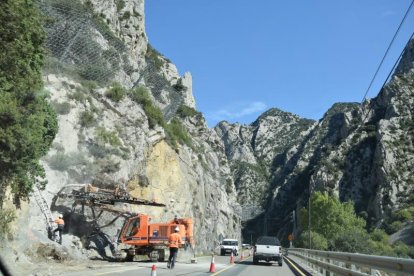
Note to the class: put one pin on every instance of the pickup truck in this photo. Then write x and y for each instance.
(267, 249)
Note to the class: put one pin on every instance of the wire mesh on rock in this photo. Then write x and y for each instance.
(80, 44)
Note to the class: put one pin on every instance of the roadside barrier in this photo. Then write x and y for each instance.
(153, 271)
(212, 265)
(232, 258)
(343, 263)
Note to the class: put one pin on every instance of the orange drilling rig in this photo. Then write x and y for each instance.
(138, 235)
(151, 239)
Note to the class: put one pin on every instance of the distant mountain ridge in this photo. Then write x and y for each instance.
(362, 153)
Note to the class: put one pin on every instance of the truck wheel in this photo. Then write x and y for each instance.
(161, 255)
(154, 256)
(222, 253)
(255, 261)
(280, 263)
(129, 258)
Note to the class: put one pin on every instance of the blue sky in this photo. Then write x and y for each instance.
(299, 56)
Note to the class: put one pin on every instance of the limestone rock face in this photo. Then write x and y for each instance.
(111, 139)
(105, 41)
(254, 149)
(127, 19)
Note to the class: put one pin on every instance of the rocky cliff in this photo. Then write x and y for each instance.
(125, 117)
(255, 150)
(360, 152)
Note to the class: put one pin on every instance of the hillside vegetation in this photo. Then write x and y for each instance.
(27, 121)
(336, 227)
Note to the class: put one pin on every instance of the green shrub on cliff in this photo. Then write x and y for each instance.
(185, 111)
(6, 217)
(141, 96)
(116, 93)
(176, 132)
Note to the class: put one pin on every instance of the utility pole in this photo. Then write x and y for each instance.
(294, 221)
(309, 226)
(309, 213)
(294, 227)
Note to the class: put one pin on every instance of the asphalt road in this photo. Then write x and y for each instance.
(202, 267)
(247, 268)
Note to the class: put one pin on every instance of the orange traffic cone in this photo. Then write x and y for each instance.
(241, 256)
(232, 258)
(212, 265)
(153, 271)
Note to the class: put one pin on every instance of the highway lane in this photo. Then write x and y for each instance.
(144, 268)
(222, 267)
(247, 268)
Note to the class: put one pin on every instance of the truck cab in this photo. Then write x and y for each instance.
(228, 246)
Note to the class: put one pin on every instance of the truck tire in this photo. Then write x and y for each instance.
(255, 261)
(161, 255)
(222, 253)
(154, 256)
(129, 258)
(280, 262)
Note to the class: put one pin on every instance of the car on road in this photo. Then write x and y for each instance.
(268, 249)
(228, 246)
(246, 246)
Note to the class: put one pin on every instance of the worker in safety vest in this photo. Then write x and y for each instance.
(174, 241)
(60, 225)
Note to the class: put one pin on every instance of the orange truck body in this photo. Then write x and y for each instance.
(144, 237)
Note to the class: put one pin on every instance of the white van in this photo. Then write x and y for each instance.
(229, 245)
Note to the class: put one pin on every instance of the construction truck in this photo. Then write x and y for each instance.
(138, 236)
(145, 238)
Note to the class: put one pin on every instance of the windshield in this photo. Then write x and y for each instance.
(133, 227)
(230, 243)
(268, 241)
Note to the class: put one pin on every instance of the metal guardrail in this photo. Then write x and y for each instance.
(353, 263)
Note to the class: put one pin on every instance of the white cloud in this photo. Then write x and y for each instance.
(237, 111)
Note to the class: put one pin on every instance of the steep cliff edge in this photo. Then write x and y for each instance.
(125, 117)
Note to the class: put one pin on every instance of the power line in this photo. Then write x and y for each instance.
(388, 49)
(389, 75)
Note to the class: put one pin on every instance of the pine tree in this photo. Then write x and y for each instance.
(28, 124)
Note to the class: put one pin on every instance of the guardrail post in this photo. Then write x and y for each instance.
(324, 271)
(328, 273)
(375, 272)
(353, 267)
(347, 265)
(307, 260)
